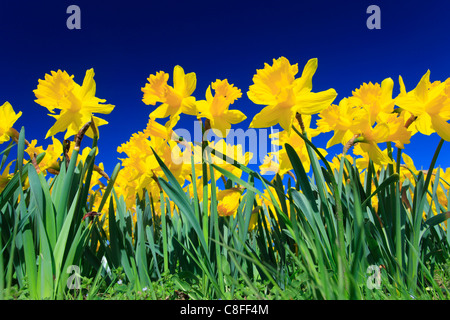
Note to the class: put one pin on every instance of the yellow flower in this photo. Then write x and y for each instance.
(270, 164)
(141, 167)
(228, 201)
(341, 119)
(430, 103)
(5, 176)
(140, 162)
(374, 98)
(32, 149)
(77, 103)
(279, 160)
(391, 130)
(216, 108)
(231, 152)
(96, 177)
(7, 119)
(284, 96)
(154, 129)
(176, 99)
(379, 157)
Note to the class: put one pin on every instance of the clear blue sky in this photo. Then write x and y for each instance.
(125, 41)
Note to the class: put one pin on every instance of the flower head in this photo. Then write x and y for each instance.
(284, 96)
(5, 176)
(228, 201)
(77, 103)
(430, 103)
(175, 99)
(340, 119)
(7, 119)
(216, 108)
(376, 99)
(278, 161)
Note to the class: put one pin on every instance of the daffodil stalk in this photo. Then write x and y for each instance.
(298, 116)
(350, 143)
(206, 127)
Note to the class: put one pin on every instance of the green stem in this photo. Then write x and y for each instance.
(398, 222)
(205, 188)
(164, 233)
(2, 270)
(433, 163)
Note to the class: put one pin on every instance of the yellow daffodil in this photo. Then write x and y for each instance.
(284, 96)
(141, 167)
(231, 153)
(176, 99)
(53, 155)
(335, 162)
(391, 130)
(216, 108)
(32, 149)
(96, 177)
(379, 157)
(5, 176)
(155, 129)
(430, 103)
(279, 159)
(77, 103)
(340, 119)
(7, 119)
(228, 201)
(270, 164)
(374, 98)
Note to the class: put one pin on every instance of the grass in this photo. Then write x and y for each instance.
(320, 237)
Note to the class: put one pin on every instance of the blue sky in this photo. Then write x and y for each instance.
(128, 40)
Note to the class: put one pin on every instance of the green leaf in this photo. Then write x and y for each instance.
(300, 173)
(109, 187)
(63, 236)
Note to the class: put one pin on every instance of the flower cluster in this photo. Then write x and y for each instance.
(362, 122)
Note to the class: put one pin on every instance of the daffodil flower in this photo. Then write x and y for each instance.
(5, 176)
(231, 153)
(430, 103)
(216, 108)
(77, 103)
(141, 167)
(279, 159)
(175, 100)
(284, 96)
(376, 99)
(228, 201)
(392, 129)
(53, 155)
(7, 119)
(340, 119)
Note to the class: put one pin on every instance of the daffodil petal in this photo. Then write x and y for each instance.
(267, 117)
(442, 127)
(304, 83)
(234, 116)
(63, 121)
(314, 102)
